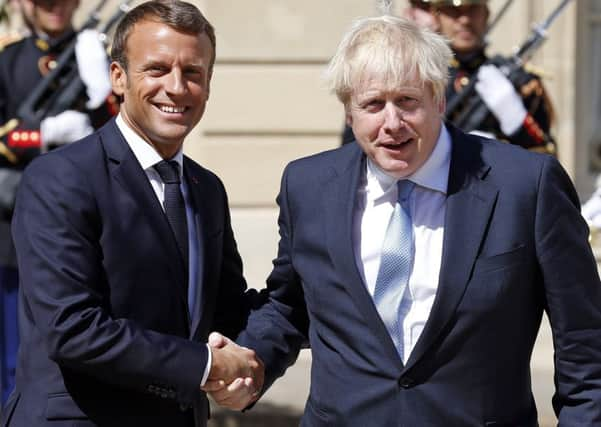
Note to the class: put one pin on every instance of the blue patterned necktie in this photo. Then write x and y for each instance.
(175, 207)
(391, 295)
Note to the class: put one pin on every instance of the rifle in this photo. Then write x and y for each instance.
(475, 111)
(62, 86)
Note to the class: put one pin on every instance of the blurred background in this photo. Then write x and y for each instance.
(268, 106)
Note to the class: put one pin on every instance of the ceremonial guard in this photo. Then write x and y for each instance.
(24, 64)
(519, 111)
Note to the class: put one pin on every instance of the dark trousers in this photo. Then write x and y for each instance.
(9, 333)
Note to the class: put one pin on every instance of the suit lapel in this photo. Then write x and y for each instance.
(205, 226)
(338, 200)
(469, 197)
(126, 170)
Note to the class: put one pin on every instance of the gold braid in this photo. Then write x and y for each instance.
(4, 150)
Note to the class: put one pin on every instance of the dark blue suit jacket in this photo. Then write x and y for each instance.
(106, 338)
(514, 246)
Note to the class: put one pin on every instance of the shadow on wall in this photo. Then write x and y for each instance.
(263, 414)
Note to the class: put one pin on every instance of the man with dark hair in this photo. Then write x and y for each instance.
(24, 63)
(126, 250)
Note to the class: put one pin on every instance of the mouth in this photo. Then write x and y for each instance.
(397, 145)
(465, 34)
(171, 109)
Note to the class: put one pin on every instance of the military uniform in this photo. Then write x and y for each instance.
(534, 134)
(23, 64)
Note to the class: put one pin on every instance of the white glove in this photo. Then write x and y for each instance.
(501, 98)
(64, 128)
(93, 67)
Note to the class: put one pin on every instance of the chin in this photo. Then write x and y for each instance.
(397, 169)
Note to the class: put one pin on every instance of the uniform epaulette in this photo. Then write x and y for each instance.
(530, 68)
(8, 39)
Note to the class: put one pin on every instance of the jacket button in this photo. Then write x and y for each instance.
(406, 382)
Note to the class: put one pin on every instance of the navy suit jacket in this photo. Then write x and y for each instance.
(514, 246)
(106, 338)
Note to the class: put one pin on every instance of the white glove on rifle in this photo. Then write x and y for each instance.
(64, 128)
(501, 98)
(93, 67)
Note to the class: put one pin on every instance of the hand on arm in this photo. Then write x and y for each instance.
(66, 127)
(501, 98)
(236, 375)
(93, 67)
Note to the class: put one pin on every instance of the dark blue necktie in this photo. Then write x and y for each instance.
(175, 207)
(391, 296)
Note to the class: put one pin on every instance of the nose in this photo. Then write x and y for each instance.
(465, 13)
(463, 18)
(175, 82)
(393, 118)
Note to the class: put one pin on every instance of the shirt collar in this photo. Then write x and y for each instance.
(145, 153)
(433, 174)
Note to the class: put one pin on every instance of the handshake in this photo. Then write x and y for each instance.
(236, 376)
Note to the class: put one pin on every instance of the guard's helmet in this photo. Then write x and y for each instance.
(452, 2)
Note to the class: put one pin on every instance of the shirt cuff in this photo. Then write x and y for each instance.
(205, 376)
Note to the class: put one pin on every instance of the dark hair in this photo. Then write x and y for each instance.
(179, 15)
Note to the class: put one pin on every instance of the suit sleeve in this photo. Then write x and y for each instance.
(573, 297)
(57, 230)
(279, 328)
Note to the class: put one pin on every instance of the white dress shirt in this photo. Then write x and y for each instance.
(147, 156)
(377, 196)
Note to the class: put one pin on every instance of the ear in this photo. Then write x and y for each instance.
(209, 77)
(118, 78)
(348, 118)
(442, 105)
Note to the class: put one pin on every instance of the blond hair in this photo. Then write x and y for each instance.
(393, 50)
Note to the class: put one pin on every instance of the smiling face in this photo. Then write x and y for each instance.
(397, 127)
(166, 84)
